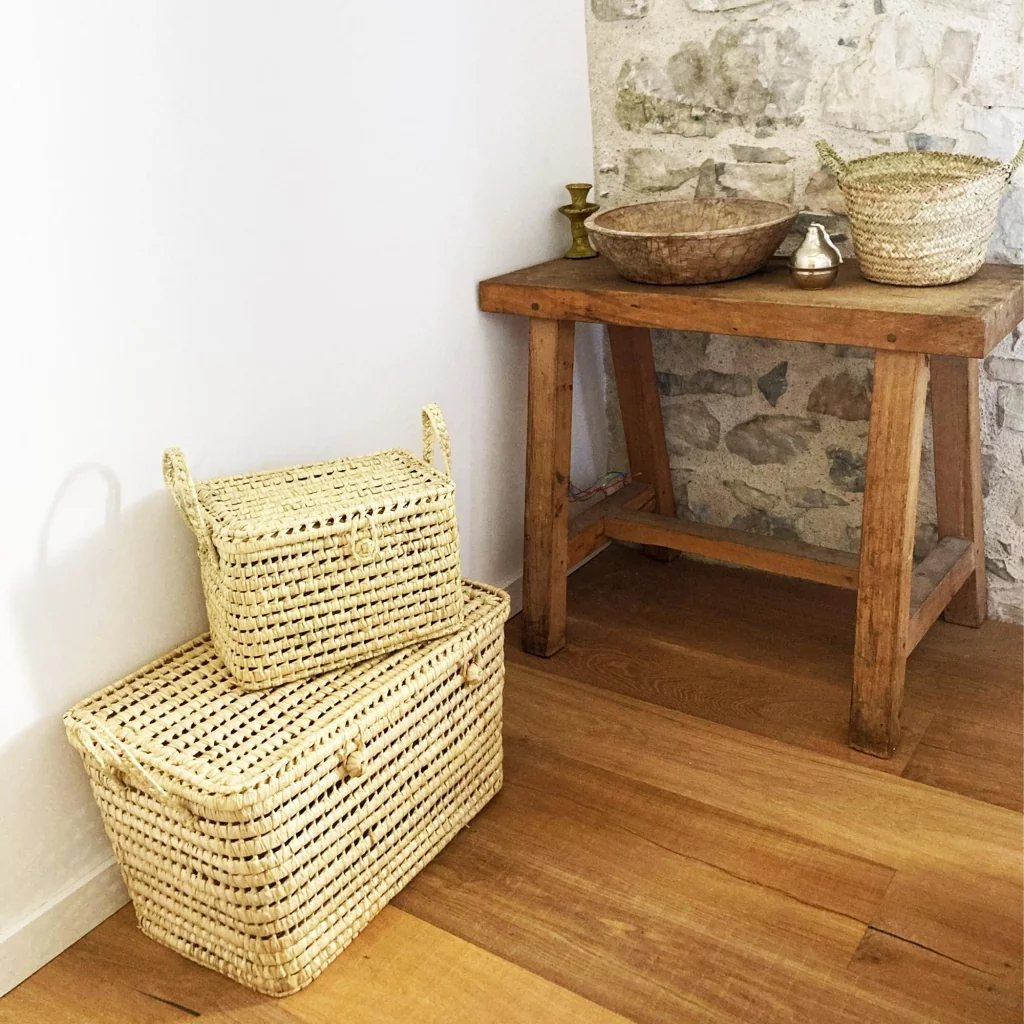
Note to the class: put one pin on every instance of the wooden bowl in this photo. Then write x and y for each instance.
(690, 241)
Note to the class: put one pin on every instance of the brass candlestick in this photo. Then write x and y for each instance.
(578, 211)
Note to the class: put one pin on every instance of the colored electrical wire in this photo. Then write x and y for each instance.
(608, 484)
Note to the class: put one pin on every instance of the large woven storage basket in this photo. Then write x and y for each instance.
(258, 833)
(320, 566)
(921, 218)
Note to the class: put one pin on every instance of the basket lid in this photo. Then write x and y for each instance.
(182, 731)
(273, 506)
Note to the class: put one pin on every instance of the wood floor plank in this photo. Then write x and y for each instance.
(742, 692)
(720, 609)
(810, 872)
(640, 929)
(963, 915)
(115, 974)
(970, 996)
(1001, 746)
(967, 774)
(403, 969)
(399, 969)
(799, 628)
(851, 808)
(958, 858)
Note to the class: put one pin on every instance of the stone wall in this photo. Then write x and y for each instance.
(726, 98)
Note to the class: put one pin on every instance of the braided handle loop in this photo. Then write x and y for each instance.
(832, 160)
(183, 490)
(1014, 165)
(114, 756)
(435, 432)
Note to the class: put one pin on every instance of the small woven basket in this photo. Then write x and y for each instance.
(258, 833)
(320, 566)
(921, 218)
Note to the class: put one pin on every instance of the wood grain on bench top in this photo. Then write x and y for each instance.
(966, 319)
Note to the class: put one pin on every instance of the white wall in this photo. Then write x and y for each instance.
(252, 229)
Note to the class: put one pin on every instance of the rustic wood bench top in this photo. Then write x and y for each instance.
(966, 319)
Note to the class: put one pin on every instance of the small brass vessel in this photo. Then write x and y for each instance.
(578, 211)
(815, 264)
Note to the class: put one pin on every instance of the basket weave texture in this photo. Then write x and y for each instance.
(258, 833)
(320, 566)
(921, 218)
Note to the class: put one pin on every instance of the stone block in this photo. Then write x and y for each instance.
(766, 525)
(704, 382)
(846, 469)
(925, 143)
(619, 10)
(690, 425)
(991, 133)
(768, 439)
(773, 182)
(885, 86)
(1007, 244)
(823, 194)
(773, 384)
(953, 68)
(1010, 407)
(1009, 371)
(760, 155)
(841, 395)
(652, 170)
(813, 497)
(752, 496)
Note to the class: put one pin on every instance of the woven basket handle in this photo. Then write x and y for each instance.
(1014, 165)
(183, 490)
(435, 432)
(833, 161)
(104, 747)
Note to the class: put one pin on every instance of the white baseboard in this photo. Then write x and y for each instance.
(61, 922)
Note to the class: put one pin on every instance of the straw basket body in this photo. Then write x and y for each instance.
(320, 566)
(258, 833)
(921, 218)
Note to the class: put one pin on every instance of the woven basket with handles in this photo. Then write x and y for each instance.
(921, 218)
(258, 833)
(319, 566)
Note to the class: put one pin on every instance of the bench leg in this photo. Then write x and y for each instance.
(956, 427)
(548, 448)
(887, 549)
(640, 404)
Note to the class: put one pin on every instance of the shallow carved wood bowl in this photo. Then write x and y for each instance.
(690, 241)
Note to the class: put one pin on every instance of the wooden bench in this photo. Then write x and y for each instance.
(912, 330)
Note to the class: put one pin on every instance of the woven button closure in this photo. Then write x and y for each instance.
(352, 764)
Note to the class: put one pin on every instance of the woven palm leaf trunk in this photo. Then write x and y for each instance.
(258, 833)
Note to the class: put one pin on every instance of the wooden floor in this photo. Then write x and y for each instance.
(683, 836)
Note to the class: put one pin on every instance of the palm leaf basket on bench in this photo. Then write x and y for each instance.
(921, 218)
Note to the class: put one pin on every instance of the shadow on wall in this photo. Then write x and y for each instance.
(83, 618)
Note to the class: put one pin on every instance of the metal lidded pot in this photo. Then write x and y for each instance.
(815, 263)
